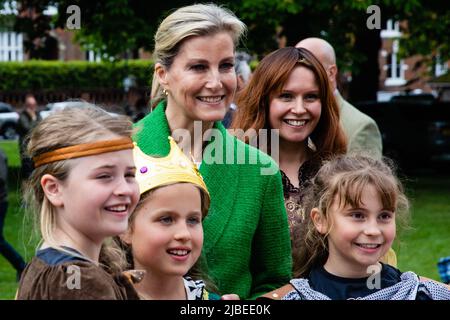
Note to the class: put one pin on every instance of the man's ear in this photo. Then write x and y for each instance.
(320, 222)
(161, 74)
(52, 189)
(332, 72)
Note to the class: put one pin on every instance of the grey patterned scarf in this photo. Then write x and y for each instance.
(406, 289)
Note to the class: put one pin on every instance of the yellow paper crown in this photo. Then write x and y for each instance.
(175, 167)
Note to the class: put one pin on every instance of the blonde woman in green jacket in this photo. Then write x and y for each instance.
(246, 245)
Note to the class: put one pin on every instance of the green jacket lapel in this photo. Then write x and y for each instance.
(222, 182)
(152, 133)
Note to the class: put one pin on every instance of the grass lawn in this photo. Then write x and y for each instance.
(10, 147)
(419, 251)
(429, 239)
(14, 231)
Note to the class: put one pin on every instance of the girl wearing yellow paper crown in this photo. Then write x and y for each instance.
(83, 189)
(165, 235)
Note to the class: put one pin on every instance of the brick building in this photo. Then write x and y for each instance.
(404, 75)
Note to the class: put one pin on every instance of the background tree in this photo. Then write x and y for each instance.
(36, 26)
(118, 28)
(343, 24)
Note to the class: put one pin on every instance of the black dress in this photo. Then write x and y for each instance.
(293, 196)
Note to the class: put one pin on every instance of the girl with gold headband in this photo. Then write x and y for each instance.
(165, 234)
(83, 189)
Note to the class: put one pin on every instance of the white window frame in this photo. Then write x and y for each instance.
(11, 46)
(395, 78)
(392, 30)
(439, 67)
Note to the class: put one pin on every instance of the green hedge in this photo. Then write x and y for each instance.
(51, 75)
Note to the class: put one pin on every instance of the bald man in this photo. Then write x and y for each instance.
(361, 130)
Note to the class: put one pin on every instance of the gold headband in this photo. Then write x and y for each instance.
(83, 150)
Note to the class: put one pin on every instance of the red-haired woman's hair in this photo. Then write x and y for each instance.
(269, 79)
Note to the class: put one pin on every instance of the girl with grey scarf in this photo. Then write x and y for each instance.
(353, 206)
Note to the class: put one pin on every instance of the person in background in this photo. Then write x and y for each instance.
(140, 108)
(243, 74)
(6, 249)
(28, 119)
(361, 130)
(136, 105)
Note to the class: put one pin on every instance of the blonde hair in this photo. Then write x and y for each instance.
(190, 21)
(68, 127)
(343, 178)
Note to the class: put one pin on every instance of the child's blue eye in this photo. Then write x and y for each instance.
(165, 220)
(193, 220)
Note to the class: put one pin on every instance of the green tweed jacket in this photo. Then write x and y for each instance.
(361, 130)
(246, 234)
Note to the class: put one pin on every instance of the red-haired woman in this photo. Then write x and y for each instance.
(290, 91)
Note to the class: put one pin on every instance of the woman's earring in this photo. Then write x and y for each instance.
(165, 92)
